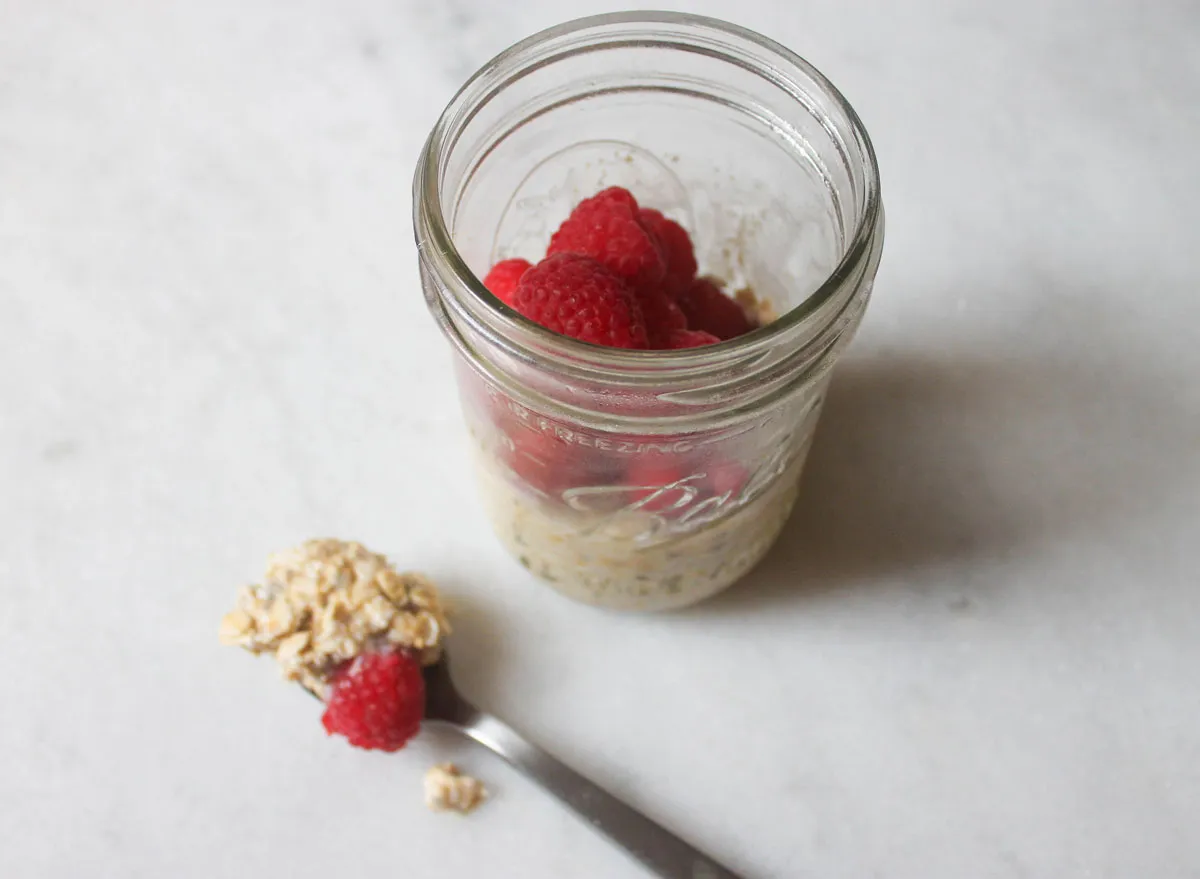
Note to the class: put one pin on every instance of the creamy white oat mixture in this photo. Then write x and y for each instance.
(447, 789)
(631, 560)
(327, 601)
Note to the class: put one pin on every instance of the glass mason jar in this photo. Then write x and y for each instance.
(648, 479)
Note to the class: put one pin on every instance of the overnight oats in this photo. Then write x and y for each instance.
(356, 633)
(648, 236)
(342, 622)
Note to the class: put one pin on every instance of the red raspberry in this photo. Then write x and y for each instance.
(502, 280)
(660, 486)
(377, 701)
(540, 460)
(725, 478)
(618, 195)
(673, 488)
(552, 465)
(576, 296)
(709, 309)
(606, 228)
(690, 339)
(663, 316)
(676, 246)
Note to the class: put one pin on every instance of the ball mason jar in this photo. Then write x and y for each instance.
(648, 480)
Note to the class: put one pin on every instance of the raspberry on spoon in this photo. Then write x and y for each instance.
(376, 700)
(352, 630)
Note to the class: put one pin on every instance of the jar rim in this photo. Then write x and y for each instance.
(486, 315)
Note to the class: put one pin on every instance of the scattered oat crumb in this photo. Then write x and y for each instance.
(759, 312)
(448, 789)
(327, 601)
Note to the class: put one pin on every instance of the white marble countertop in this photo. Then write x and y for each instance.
(975, 652)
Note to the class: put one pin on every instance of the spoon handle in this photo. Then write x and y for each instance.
(650, 843)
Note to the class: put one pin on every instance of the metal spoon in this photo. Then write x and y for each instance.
(650, 843)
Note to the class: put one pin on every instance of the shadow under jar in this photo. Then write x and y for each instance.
(648, 480)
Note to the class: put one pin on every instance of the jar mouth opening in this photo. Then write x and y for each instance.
(472, 302)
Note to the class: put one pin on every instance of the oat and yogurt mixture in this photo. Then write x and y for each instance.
(327, 601)
(634, 559)
(449, 789)
(342, 622)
